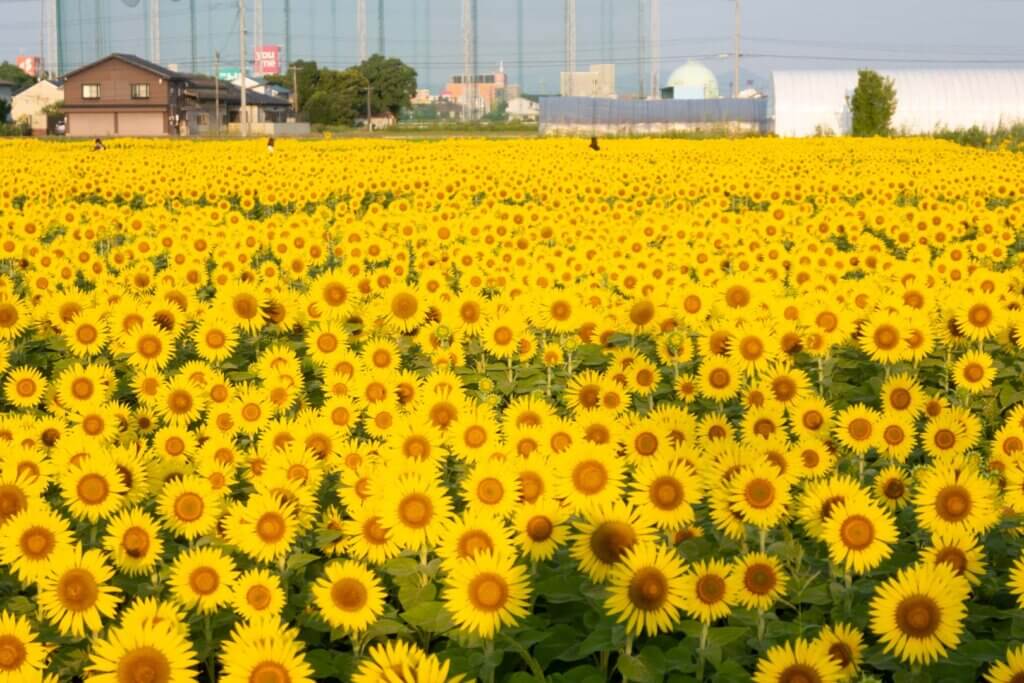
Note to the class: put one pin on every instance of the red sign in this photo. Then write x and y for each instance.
(268, 60)
(30, 65)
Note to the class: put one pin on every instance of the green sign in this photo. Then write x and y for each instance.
(229, 73)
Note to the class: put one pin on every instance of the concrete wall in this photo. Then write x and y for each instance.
(294, 129)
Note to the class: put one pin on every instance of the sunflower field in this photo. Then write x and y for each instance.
(511, 411)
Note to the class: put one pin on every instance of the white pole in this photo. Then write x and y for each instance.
(736, 55)
(243, 114)
(257, 31)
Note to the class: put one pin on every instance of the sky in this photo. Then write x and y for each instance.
(775, 34)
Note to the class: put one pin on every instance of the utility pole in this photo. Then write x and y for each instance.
(655, 49)
(216, 89)
(736, 55)
(243, 113)
(295, 90)
(570, 43)
(641, 33)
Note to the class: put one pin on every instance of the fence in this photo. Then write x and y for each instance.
(607, 117)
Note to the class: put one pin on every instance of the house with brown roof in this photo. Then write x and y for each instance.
(124, 95)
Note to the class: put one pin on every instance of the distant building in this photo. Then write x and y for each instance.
(599, 81)
(691, 81)
(29, 103)
(816, 102)
(33, 66)
(522, 109)
(490, 90)
(126, 95)
(423, 96)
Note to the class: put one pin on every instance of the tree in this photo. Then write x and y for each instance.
(393, 82)
(339, 98)
(11, 72)
(873, 104)
(307, 74)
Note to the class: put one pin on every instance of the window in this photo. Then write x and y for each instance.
(140, 91)
(90, 91)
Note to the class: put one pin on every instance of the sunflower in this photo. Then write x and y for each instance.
(759, 579)
(882, 337)
(203, 578)
(31, 539)
(588, 475)
(180, 401)
(94, 489)
(645, 589)
(974, 371)
(949, 501)
(540, 528)
(859, 536)
(810, 418)
(414, 510)
(215, 341)
(892, 487)
(74, 595)
(87, 333)
(604, 535)
(189, 506)
(151, 651)
(403, 308)
(1008, 671)
(845, 644)
(919, 613)
(798, 661)
(392, 658)
(500, 335)
(15, 316)
(819, 499)
(24, 387)
(901, 393)
(760, 494)
(666, 489)
(896, 435)
(485, 592)
(148, 346)
(709, 590)
(980, 316)
(22, 656)
(350, 597)
(857, 428)
(719, 378)
(963, 553)
(264, 650)
(133, 541)
(474, 532)
(365, 537)
(265, 529)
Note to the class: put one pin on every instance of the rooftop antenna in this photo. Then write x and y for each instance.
(655, 48)
(361, 28)
(570, 42)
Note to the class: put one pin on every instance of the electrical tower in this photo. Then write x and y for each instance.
(519, 46)
(655, 49)
(469, 55)
(380, 27)
(736, 55)
(153, 29)
(641, 41)
(361, 28)
(334, 34)
(570, 42)
(52, 54)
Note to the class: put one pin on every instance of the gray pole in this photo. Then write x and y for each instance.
(369, 112)
(216, 88)
(243, 114)
(736, 55)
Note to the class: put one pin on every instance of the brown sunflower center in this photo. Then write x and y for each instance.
(77, 590)
(271, 527)
(886, 337)
(857, 532)
(135, 542)
(415, 510)
(404, 305)
(189, 506)
(611, 540)
(12, 653)
(918, 616)
(648, 589)
(539, 529)
(37, 542)
(488, 592)
(258, 597)
(710, 589)
(349, 594)
(759, 578)
(719, 378)
(490, 491)
(841, 653)
(589, 477)
(799, 673)
(900, 398)
(474, 541)
(759, 493)
(92, 489)
(666, 493)
(860, 429)
(269, 672)
(144, 664)
(204, 580)
(953, 503)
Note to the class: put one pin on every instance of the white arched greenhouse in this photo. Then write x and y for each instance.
(928, 100)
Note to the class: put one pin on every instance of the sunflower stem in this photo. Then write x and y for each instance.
(510, 379)
(211, 657)
(702, 651)
(488, 665)
(763, 536)
(548, 390)
(760, 629)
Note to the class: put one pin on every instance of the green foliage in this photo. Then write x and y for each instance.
(11, 72)
(5, 110)
(872, 105)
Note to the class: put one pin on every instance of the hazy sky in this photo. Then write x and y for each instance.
(776, 34)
